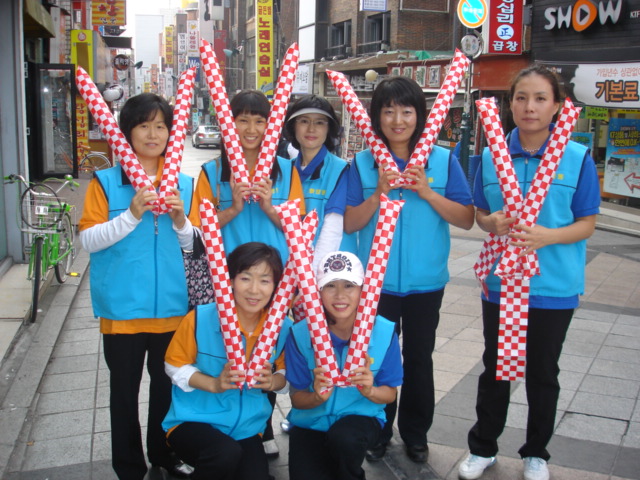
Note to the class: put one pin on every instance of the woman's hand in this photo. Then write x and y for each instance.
(143, 201)
(531, 238)
(497, 222)
(386, 181)
(417, 182)
(238, 193)
(265, 379)
(362, 378)
(322, 386)
(229, 379)
(262, 189)
(176, 208)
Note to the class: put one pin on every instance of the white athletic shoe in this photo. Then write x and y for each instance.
(474, 466)
(535, 468)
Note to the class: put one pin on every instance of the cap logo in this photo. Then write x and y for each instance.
(337, 263)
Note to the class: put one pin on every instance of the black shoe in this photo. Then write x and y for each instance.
(377, 452)
(177, 469)
(418, 453)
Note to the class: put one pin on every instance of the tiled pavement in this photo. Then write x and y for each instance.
(54, 421)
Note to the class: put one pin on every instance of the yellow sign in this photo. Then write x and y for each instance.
(597, 113)
(108, 12)
(264, 47)
(168, 45)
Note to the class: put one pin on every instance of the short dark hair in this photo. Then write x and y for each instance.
(313, 101)
(538, 69)
(250, 254)
(252, 102)
(399, 91)
(142, 108)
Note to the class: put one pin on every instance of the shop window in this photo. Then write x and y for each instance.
(339, 40)
(377, 30)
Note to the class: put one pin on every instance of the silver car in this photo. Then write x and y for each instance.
(206, 135)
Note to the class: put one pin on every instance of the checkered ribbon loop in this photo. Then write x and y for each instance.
(457, 69)
(110, 129)
(299, 252)
(175, 146)
(372, 286)
(280, 305)
(222, 288)
(269, 145)
(218, 93)
(512, 331)
(363, 123)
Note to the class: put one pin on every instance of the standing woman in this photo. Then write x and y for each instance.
(138, 286)
(333, 427)
(417, 267)
(243, 221)
(211, 422)
(313, 129)
(566, 220)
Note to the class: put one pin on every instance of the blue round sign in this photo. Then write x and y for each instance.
(472, 13)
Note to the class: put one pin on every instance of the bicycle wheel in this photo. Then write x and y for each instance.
(36, 276)
(66, 250)
(40, 207)
(92, 162)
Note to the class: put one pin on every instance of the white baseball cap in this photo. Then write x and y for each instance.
(340, 266)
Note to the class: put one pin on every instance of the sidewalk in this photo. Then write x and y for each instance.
(54, 419)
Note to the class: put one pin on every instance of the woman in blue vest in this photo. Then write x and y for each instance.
(212, 423)
(249, 221)
(313, 129)
(138, 286)
(332, 428)
(566, 220)
(417, 269)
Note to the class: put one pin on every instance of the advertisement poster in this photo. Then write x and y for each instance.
(622, 164)
(264, 47)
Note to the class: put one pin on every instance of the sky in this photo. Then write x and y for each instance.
(147, 7)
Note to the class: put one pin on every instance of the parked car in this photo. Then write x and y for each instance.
(206, 135)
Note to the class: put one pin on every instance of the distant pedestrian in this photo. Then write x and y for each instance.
(438, 195)
(566, 220)
(332, 428)
(138, 286)
(212, 424)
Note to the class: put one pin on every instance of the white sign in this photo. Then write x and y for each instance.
(303, 84)
(182, 43)
(193, 47)
(373, 5)
(612, 85)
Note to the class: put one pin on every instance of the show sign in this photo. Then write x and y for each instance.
(582, 14)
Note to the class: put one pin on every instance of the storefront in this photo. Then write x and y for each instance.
(595, 48)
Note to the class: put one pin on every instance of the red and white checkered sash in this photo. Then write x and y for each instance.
(119, 144)
(516, 271)
(222, 287)
(280, 304)
(230, 138)
(420, 155)
(301, 256)
(372, 285)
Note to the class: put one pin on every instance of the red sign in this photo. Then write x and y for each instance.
(505, 27)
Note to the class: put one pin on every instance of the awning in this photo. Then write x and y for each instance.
(117, 42)
(37, 21)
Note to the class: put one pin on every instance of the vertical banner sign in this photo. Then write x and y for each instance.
(505, 27)
(108, 12)
(193, 44)
(622, 166)
(264, 47)
(168, 45)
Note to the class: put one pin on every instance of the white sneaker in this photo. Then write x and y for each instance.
(271, 448)
(535, 468)
(474, 466)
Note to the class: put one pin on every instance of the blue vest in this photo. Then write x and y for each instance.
(142, 275)
(319, 187)
(561, 266)
(252, 224)
(238, 413)
(421, 242)
(344, 400)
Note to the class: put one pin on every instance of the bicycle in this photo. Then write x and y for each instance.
(91, 162)
(47, 218)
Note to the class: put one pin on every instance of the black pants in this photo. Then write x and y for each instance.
(546, 332)
(125, 356)
(418, 314)
(336, 454)
(215, 455)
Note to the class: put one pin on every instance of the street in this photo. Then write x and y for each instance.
(193, 158)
